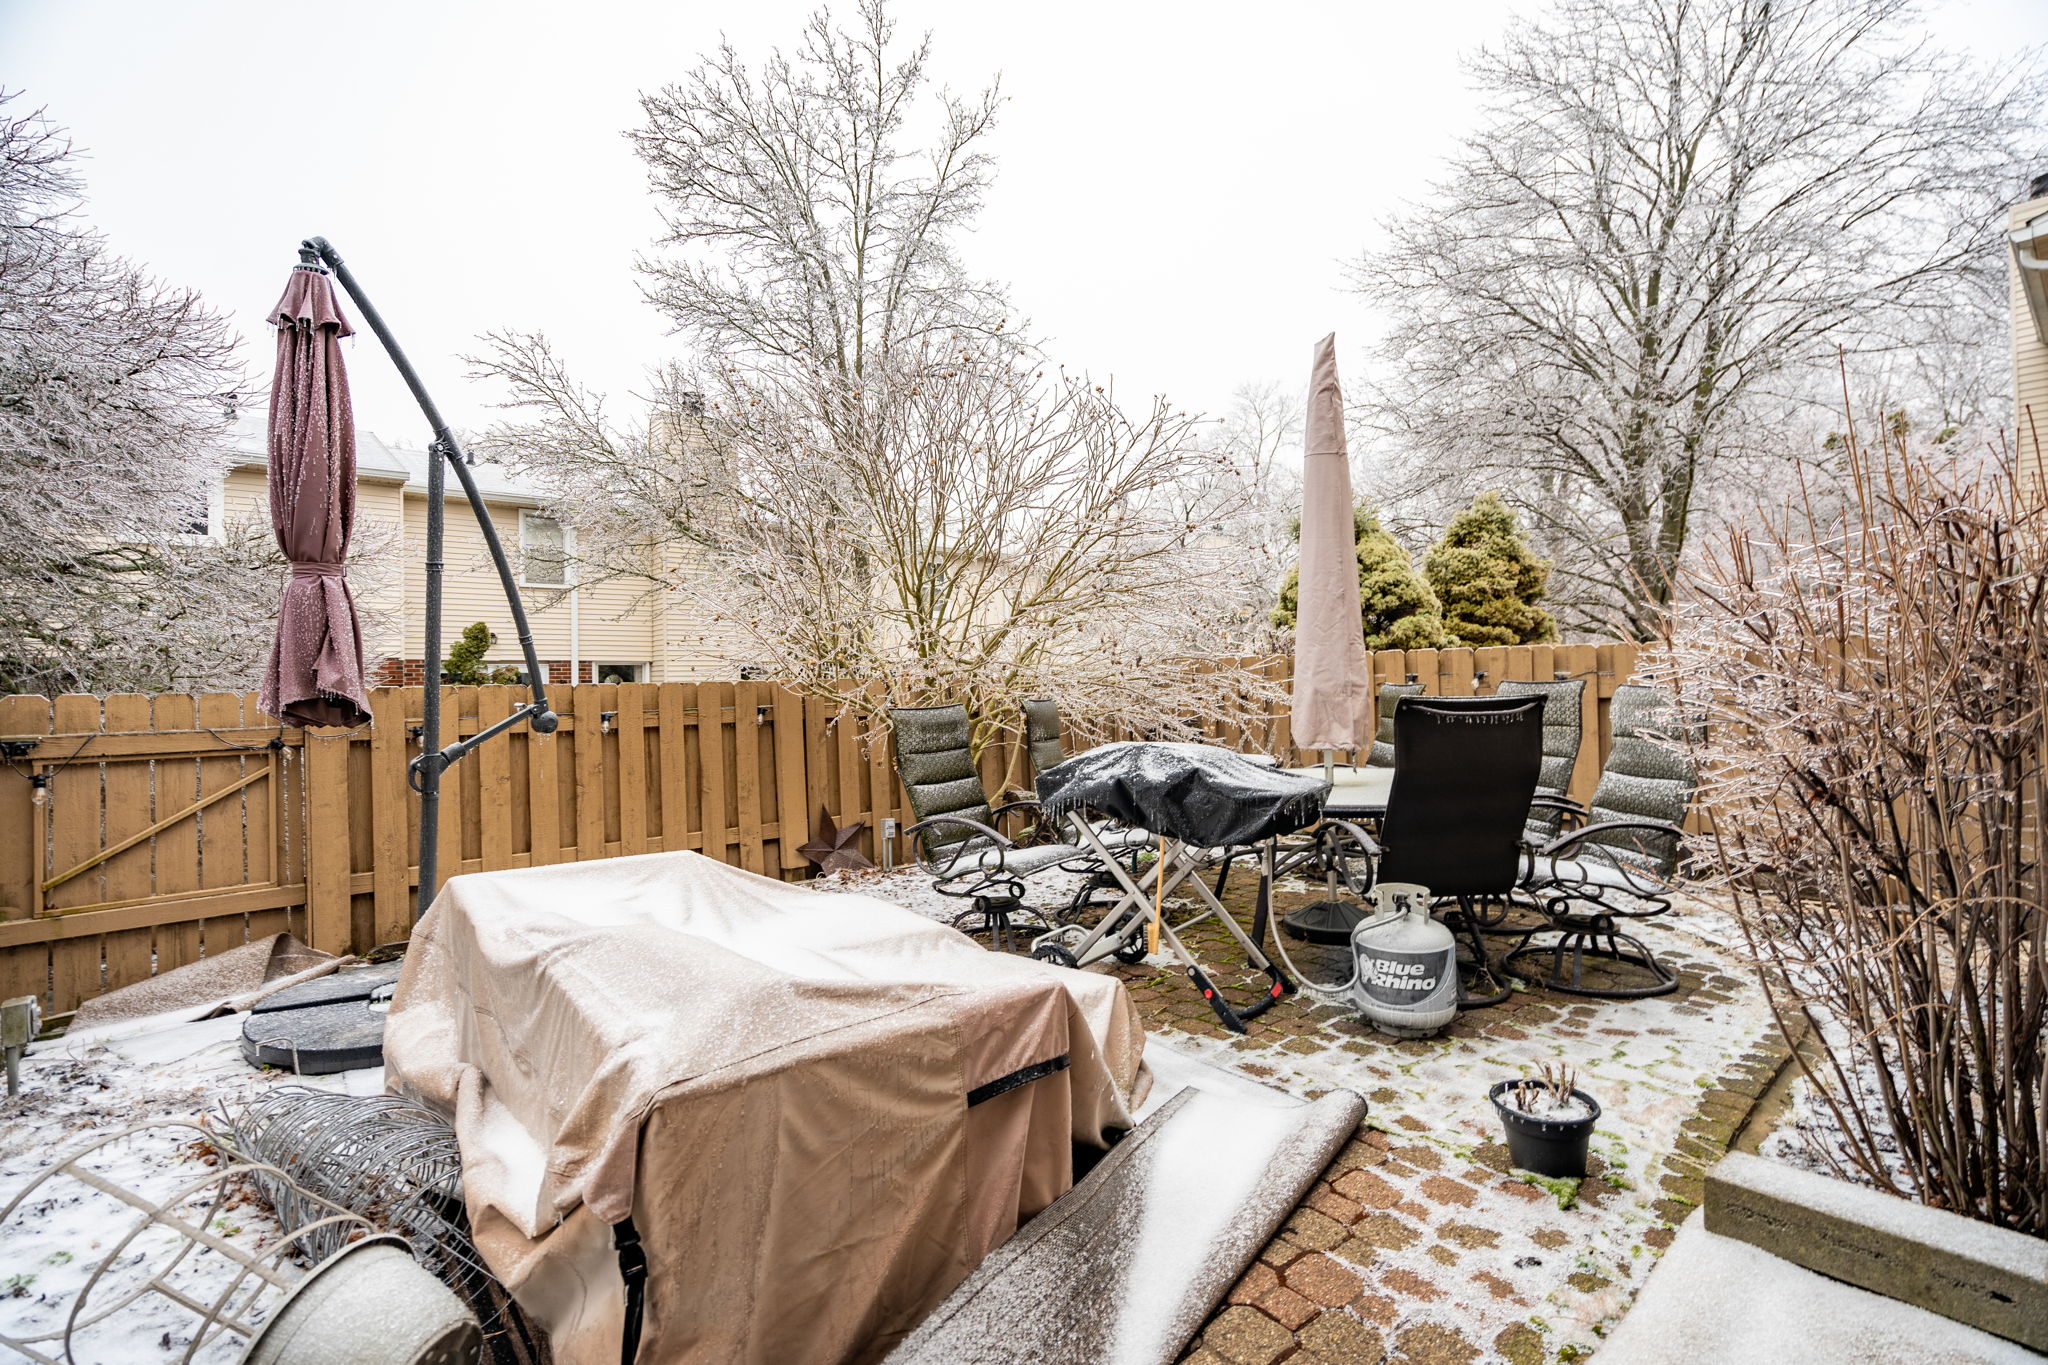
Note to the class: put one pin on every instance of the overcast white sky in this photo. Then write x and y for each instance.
(1178, 184)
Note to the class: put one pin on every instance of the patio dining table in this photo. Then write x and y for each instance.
(1355, 792)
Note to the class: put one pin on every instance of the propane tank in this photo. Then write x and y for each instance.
(1407, 964)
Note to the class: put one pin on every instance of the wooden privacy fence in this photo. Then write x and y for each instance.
(140, 833)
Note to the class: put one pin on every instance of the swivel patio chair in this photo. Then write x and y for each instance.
(958, 830)
(1563, 733)
(1390, 694)
(1616, 860)
(1466, 770)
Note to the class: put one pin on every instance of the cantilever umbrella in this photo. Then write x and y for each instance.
(315, 673)
(316, 669)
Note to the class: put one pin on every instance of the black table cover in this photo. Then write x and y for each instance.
(1195, 793)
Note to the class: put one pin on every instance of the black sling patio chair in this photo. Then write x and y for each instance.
(1617, 860)
(960, 839)
(1465, 772)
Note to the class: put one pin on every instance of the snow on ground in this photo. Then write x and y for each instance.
(74, 1093)
(1448, 1244)
(1438, 1219)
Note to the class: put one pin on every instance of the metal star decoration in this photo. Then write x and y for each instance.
(835, 848)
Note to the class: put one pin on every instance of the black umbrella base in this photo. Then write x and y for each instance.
(1328, 923)
(321, 1026)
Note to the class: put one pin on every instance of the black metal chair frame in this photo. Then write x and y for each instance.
(1573, 879)
(976, 863)
(1343, 845)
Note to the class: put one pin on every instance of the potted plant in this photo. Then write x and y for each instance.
(1549, 1121)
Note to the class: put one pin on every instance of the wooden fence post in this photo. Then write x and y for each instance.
(327, 848)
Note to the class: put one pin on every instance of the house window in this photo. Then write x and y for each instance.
(622, 673)
(543, 552)
(201, 515)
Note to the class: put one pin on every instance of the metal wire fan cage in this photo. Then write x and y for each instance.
(192, 1266)
(395, 1164)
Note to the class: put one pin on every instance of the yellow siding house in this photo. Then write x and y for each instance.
(611, 631)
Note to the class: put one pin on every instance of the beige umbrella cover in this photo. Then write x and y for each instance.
(1332, 689)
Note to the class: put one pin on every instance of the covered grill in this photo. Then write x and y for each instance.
(817, 1113)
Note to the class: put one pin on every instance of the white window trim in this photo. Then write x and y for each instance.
(216, 517)
(527, 514)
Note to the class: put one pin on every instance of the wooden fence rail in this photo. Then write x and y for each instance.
(140, 833)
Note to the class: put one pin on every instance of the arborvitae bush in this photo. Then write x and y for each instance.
(1397, 609)
(464, 665)
(1487, 580)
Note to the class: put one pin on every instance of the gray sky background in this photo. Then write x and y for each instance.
(1178, 187)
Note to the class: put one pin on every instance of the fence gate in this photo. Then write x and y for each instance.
(141, 833)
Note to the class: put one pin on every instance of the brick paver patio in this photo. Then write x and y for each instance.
(1420, 1245)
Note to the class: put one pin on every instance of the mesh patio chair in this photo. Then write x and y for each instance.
(1616, 860)
(1466, 772)
(1390, 694)
(958, 830)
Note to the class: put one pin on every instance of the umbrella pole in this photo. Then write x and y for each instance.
(425, 771)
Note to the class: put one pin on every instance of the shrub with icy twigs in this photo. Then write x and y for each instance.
(1876, 771)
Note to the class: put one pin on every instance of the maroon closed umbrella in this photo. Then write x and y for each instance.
(315, 675)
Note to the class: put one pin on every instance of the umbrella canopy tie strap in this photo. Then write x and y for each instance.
(633, 1270)
(312, 570)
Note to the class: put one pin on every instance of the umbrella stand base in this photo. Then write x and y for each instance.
(1328, 923)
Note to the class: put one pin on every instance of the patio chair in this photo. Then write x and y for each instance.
(1466, 772)
(1563, 733)
(1616, 861)
(960, 841)
(1045, 735)
(1045, 744)
(1390, 694)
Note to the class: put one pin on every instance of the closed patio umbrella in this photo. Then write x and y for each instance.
(1332, 692)
(1333, 699)
(315, 674)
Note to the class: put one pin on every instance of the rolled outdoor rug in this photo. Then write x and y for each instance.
(1124, 1268)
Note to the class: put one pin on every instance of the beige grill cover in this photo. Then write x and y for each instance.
(771, 1081)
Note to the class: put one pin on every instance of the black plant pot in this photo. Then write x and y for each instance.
(1546, 1146)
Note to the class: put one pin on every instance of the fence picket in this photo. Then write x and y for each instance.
(673, 702)
(73, 815)
(177, 848)
(544, 792)
(130, 953)
(390, 816)
(631, 729)
(712, 699)
(792, 780)
(746, 752)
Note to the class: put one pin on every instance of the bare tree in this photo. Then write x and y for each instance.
(968, 527)
(806, 225)
(869, 475)
(1674, 212)
(115, 391)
